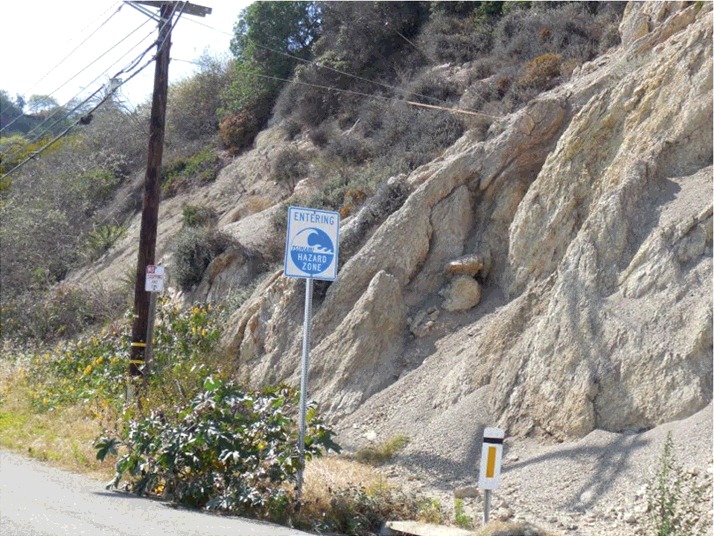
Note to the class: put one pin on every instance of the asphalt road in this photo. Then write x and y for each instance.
(37, 500)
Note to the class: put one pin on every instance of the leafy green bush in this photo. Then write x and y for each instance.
(100, 240)
(289, 166)
(93, 367)
(265, 36)
(184, 172)
(227, 449)
(675, 500)
(198, 216)
(194, 249)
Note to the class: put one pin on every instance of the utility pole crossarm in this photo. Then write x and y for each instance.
(187, 7)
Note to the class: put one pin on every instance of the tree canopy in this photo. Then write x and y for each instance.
(266, 35)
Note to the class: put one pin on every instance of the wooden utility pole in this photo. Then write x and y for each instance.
(152, 182)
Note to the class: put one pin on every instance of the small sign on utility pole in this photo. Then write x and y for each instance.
(490, 473)
(311, 249)
(155, 275)
(155, 279)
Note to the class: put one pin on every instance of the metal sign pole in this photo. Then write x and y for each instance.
(486, 505)
(303, 383)
(149, 335)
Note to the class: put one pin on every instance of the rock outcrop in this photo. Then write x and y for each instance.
(584, 224)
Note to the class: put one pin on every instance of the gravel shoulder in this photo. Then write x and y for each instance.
(596, 485)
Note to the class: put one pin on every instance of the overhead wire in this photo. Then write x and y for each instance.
(327, 67)
(106, 97)
(59, 109)
(65, 113)
(388, 86)
(376, 97)
(67, 57)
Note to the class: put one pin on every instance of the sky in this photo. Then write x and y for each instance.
(70, 48)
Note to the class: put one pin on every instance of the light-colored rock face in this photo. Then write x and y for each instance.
(462, 294)
(587, 218)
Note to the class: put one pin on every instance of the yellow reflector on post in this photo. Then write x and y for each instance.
(491, 462)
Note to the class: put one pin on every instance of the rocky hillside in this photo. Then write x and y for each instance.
(553, 276)
(557, 272)
(558, 268)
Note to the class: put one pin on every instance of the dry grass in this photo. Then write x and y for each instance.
(63, 437)
(498, 528)
(323, 475)
(382, 452)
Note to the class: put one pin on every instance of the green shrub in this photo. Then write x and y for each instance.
(289, 166)
(100, 240)
(184, 172)
(92, 367)
(228, 449)
(198, 215)
(675, 499)
(383, 452)
(194, 249)
(461, 519)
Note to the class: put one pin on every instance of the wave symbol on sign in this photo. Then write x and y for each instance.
(312, 251)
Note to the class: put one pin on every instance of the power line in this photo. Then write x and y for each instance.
(73, 125)
(58, 111)
(67, 113)
(102, 101)
(378, 97)
(320, 66)
(65, 58)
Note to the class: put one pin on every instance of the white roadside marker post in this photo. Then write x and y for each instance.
(490, 472)
(311, 252)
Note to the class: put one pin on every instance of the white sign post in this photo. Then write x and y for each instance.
(311, 252)
(490, 473)
(155, 279)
